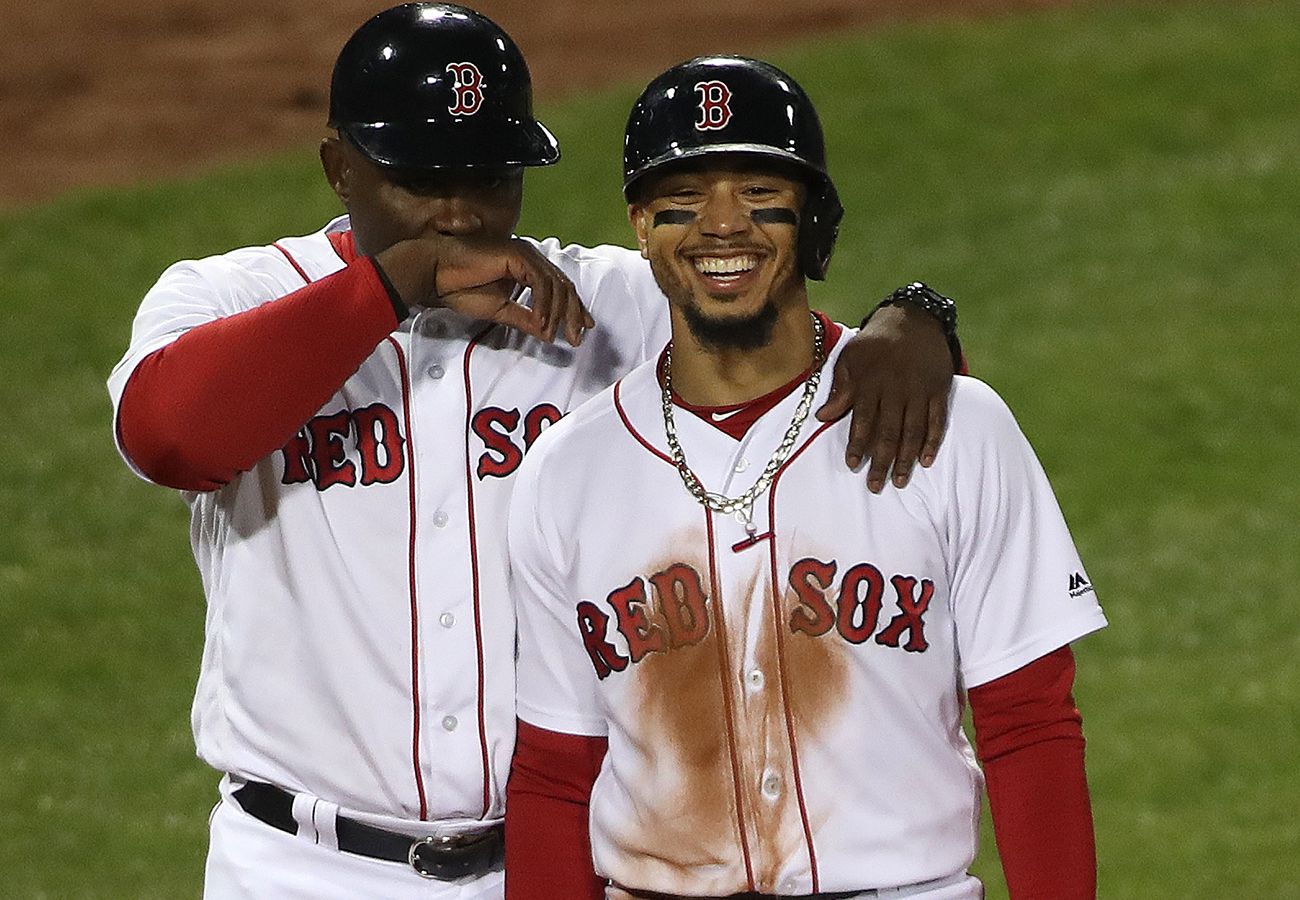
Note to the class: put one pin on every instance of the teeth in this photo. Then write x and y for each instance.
(730, 265)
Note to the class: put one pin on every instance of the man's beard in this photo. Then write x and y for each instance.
(738, 333)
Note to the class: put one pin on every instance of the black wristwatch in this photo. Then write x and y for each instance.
(926, 298)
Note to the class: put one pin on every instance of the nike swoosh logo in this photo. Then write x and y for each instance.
(723, 416)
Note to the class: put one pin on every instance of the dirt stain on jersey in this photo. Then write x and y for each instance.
(719, 717)
(804, 688)
(817, 672)
(776, 825)
(685, 742)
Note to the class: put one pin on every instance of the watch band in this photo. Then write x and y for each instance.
(944, 309)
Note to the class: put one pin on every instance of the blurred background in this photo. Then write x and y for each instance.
(1111, 190)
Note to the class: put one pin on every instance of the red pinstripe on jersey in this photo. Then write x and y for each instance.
(724, 669)
(293, 262)
(342, 245)
(780, 653)
(474, 571)
(414, 595)
(622, 414)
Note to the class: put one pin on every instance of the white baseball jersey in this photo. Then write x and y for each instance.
(784, 714)
(359, 639)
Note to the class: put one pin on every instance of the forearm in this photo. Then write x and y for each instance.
(548, 847)
(1030, 738)
(228, 393)
(1042, 819)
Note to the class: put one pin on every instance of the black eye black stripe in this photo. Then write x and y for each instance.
(769, 215)
(775, 215)
(674, 217)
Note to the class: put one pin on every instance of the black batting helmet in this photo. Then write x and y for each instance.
(732, 104)
(432, 85)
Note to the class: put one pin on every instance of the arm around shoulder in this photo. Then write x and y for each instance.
(894, 377)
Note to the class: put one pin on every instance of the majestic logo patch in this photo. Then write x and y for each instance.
(1079, 585)
(715, 105)
(468, 88)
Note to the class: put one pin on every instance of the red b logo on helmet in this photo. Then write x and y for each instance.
(468, 88)
(715, 105)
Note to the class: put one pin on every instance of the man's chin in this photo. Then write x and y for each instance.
(732, 332)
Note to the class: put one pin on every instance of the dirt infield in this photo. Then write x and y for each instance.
(123, 91)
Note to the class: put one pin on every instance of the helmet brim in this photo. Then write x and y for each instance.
(459, 144)
(682, 154)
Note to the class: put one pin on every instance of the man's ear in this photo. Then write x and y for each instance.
(639, 216)
(338, 168)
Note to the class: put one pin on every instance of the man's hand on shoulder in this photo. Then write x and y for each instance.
(894, 377)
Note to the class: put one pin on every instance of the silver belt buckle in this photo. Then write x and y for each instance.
(416, 858)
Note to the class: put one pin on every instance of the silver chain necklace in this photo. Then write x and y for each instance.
(743, 506)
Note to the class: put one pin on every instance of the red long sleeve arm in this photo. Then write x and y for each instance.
(1030, 739)
(548, 847)
(225, 394)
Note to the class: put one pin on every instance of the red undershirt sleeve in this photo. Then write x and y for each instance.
(225, 394)
(1030, 739)
(548, 847)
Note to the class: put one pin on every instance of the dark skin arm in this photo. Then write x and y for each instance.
(894, 378)
(481, 277)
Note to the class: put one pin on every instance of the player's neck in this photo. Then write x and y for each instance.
(707, 375)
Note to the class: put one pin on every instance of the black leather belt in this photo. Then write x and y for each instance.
(444, 858)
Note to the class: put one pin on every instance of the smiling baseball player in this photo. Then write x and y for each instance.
(345, 413)
(740, 674)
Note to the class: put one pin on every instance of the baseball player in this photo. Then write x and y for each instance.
(345, 413)
(746, 676)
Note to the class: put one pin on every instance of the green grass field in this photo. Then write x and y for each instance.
(1113, 196)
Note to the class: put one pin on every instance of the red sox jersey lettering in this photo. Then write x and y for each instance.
(317, 453)
(856, 610)
(495, 427)
(678, 615)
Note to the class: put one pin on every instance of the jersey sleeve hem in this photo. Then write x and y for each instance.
(1069, 630)
(564, 723)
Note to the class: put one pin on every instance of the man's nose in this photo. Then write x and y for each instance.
(723, 214)
(452, 216)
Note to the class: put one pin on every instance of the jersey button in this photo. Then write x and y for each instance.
(449, 723)
(435, 371)
(741, 465)
(440, 518)
(771, 785)
(755, 679)
(446, 620)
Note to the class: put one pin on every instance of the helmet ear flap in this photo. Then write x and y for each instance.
(822, 212)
